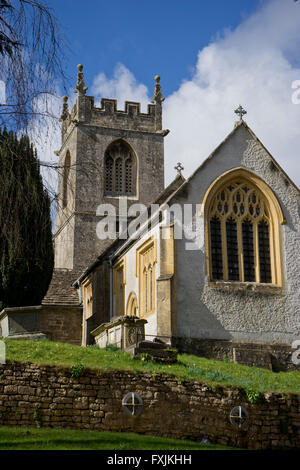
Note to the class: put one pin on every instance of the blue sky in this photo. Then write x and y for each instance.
(149, 36)
(211, 56)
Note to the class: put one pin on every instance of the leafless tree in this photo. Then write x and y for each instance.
(32, 48)
(31, 61)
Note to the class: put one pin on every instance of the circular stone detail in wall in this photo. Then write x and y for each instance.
(131, 336)
(132, 404)
(239, 417)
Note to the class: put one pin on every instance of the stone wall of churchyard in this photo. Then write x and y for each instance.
(276, 357)
(49, 396)
(61, 324)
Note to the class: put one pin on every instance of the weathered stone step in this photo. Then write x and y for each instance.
(155, 351)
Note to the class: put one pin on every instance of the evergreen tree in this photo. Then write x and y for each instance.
(26, 248)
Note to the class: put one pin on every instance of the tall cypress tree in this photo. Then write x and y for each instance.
(26, 248)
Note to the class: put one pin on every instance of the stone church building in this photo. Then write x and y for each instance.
(213, 269)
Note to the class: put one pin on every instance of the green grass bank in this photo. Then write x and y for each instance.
(189, 367)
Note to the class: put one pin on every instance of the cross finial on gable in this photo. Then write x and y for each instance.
(179, 168)
(240, 111)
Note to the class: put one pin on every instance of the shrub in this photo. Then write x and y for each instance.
(253, 396)
(77, 370)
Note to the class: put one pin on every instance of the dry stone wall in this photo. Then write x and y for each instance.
(48, 396)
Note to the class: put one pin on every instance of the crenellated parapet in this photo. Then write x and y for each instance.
(131, 118)
(110, 106)
(108, 115)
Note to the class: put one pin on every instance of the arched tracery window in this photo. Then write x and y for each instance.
(147, 294)
(243, 230)
(66, 179)
(146, 272)
(120, 170)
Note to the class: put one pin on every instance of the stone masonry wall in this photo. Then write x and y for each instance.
(57, 322)
(32, 395)
(276, 357)
(62, 324)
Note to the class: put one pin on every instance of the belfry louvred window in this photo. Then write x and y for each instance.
(240, 230)
(120, 170)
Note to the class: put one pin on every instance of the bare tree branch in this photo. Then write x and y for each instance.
(31, 61)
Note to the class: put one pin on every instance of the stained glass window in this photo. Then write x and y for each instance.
(239, 234)
(232, 250)
(264, 252)
(248, 251)
(216, 248)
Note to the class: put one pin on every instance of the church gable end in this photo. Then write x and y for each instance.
(242, 284)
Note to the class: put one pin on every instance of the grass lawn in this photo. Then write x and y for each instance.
(12, 438)
(188, 367)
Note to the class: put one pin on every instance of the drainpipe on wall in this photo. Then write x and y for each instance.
(111, 289)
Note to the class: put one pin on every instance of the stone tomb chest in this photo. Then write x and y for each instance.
(124, 332)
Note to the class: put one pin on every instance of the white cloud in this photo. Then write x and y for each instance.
(253, 65)
(2, 92)
(123, 87)
(44, 131)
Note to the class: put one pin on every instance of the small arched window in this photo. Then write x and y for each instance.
(243, 219)
(120, 170)
(119, 281)
(147, 291)
(131, 309)
(66, 179)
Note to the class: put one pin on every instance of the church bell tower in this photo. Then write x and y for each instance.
(106, 155)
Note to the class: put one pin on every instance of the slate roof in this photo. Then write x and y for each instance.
(60, 291)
